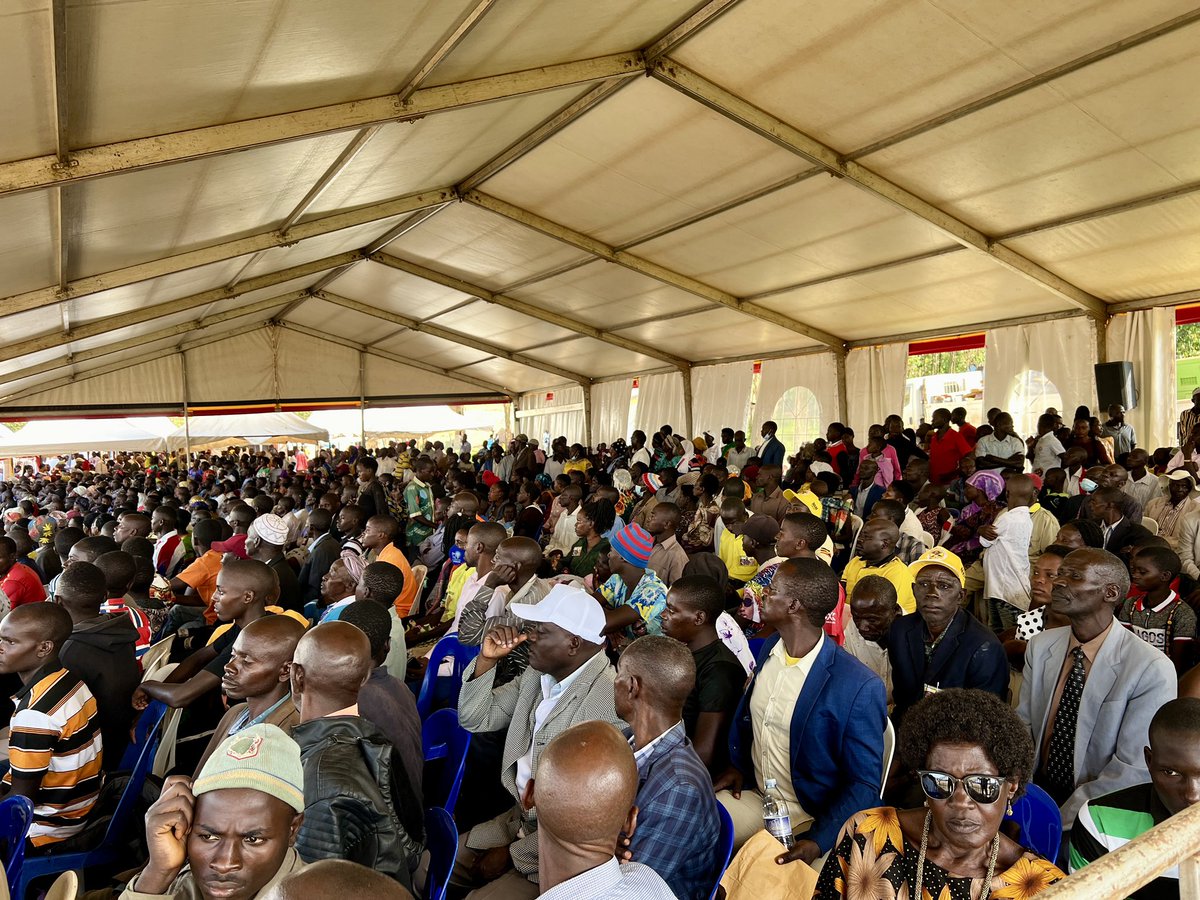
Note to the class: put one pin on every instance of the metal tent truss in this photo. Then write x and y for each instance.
(566, 221)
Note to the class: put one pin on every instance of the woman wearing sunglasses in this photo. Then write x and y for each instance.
(972, 757)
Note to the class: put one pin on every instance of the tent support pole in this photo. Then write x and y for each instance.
(587, 416)
(1102, 339)
(187, 428)
(839, 361)
(362, 398)
(686, 373)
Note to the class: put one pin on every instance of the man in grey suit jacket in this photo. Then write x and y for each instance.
(1127, 680)
(568, 681)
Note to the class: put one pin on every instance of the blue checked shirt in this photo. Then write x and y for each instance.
(678, 825)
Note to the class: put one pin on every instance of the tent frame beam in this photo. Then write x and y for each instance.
(226, 250)
(689, 26)
(156, 336)
(535, 312)
(394, 358)
(945, 118)
(784, 135)
(448, 334)
(215, 140)
(603, 251)
(172, 307)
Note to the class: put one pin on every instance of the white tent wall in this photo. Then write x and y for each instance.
(310, 367)
(538, 415)
(236, 369)
(1033, 366)
(874, 385)
(610, 410)
(721, 397)
(814, 372)
(659, 403)
(1147, 339)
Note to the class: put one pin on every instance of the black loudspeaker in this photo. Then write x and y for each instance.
(1114, 384)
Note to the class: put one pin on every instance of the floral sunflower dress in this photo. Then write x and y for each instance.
(874, 861)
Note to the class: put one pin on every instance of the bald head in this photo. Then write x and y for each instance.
(590, 760)
(331, 664)
(274, 637)
(523, 552)
(664, 669)
(336, 879)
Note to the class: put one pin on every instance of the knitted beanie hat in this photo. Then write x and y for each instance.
(633, 544)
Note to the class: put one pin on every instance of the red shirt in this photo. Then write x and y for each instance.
(967, 430)
(21, 585)
(944, 454)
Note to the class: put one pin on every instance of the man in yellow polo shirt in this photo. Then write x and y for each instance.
(877, 556)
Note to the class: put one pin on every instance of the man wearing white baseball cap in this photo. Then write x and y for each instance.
(568, 681)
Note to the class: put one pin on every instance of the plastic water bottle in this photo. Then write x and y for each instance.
(775, 815)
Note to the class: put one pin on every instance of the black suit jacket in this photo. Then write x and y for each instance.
(1126, 534)
(969, 656)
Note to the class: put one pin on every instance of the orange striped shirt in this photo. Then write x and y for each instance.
(55, 735)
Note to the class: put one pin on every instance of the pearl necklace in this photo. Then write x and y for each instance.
(991, 869)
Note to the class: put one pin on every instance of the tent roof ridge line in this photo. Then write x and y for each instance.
(449, 334)
(474, 290)
(646, 267)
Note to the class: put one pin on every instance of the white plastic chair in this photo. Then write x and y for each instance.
(927, 539)
(1150, 525)
(155, 657)
(889, 747)
(65, 887)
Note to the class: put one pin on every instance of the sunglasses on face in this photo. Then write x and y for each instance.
(942, 785)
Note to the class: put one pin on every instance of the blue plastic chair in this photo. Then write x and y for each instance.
(448, 688)
(16, 815)
(145, 726)
(112, 846)
(1040, 821)
(724, 848)
(442, 738)
(441, 840)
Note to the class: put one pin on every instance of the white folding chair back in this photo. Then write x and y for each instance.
(65, 887)
(156, 657)
(889, 747)
(1150, 524)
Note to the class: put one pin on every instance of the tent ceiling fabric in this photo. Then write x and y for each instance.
(303, 199)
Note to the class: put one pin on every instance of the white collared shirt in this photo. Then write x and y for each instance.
(551, 691)
(639, 755)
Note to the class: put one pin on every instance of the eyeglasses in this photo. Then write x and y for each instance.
(942, 785)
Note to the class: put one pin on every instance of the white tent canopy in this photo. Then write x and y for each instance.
(46, 438)
(248, 428)
(419, 202)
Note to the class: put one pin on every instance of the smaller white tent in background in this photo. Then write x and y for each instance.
(51, 437)
(400, 423)
(249, 428)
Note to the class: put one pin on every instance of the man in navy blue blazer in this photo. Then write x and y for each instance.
(942, 645)
(771, 450)
(812, 719)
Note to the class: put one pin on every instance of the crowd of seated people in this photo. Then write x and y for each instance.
(676, 643)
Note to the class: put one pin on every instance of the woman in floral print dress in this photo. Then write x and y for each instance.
(973, 758)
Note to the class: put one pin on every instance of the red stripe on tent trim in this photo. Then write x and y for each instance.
(953, 344)
(1187, 315)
